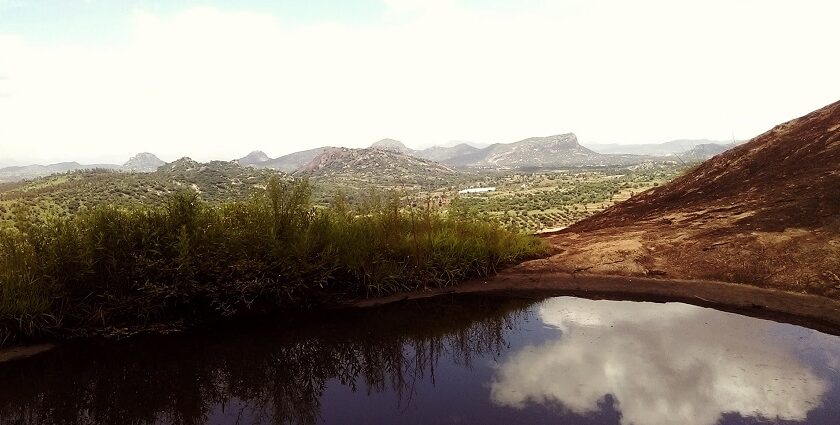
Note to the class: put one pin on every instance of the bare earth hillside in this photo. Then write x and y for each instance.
(765, 213)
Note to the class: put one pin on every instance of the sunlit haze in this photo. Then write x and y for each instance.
(96, 81)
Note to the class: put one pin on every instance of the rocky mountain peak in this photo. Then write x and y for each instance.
(568, 140)
(391, 145)
(253, 158)
(143, 162)
(182, 164)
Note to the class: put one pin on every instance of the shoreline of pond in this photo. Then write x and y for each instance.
(811, 311)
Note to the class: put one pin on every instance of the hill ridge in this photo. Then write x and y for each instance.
(765, 213)
(376, 165)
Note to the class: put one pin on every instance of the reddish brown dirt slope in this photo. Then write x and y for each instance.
(766, 213)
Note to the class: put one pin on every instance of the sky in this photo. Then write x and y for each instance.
(97, 81)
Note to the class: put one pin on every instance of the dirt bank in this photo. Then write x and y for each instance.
(766, 213)
(530, 280)
(12, 353)
(816, 312)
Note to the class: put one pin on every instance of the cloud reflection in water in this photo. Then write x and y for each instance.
(663, 364)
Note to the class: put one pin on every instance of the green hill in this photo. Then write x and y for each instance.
(63, 194)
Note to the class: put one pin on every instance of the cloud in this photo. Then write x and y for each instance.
(663, 364)
(217, 84)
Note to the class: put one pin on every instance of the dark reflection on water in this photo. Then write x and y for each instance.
(449, 360)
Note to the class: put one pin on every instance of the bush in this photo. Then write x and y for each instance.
(191, 261)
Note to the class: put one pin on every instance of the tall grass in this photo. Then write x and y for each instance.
(190, 261)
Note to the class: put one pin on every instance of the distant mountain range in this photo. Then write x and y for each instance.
(559, 150)
(142, 162)
(16, 173)
(376, 165)
(286, 163)
(442, 154)
(703, 152)
(300, 160)
(446, 153)
(656, 149)
(562, 150)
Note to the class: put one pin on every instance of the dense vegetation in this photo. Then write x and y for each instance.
(112, 266)
(531, 202)
(66, 194)
(527, 201)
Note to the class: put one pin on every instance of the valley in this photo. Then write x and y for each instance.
(528, 202)
(543, 183)
(548, 201)
(388, 220)
(254, 212)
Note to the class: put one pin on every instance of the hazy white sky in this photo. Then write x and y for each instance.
(92, 81)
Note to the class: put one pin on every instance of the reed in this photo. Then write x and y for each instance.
(190, 261)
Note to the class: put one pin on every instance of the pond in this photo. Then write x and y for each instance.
(451, 360)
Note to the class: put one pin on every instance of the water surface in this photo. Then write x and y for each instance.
(457, 360)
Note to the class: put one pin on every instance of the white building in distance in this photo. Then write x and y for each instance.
(477, 190)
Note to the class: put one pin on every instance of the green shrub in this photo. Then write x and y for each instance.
(188, 260)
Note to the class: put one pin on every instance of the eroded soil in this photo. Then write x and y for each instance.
(766, 213)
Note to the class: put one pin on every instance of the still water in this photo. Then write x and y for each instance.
(457, 360)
